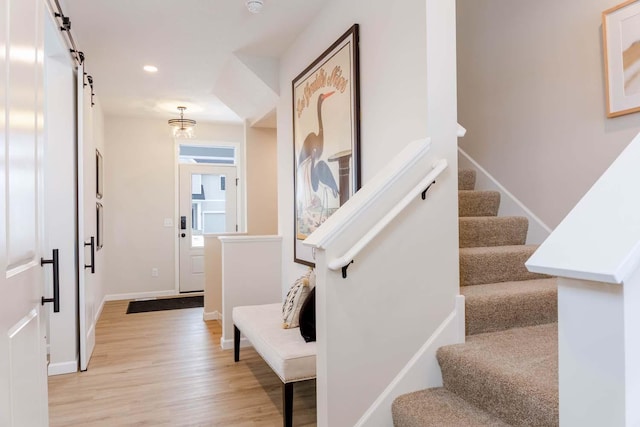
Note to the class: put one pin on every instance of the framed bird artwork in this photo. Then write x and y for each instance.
(326, 138)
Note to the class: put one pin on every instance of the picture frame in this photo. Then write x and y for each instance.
(621, 43)
(99, 172)
(326, 138)
(99, 226)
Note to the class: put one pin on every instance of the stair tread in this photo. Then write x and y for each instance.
(500, 249)
(517, 287)
(439, 407)
(512, 374)
(497, 306)
(492, 231)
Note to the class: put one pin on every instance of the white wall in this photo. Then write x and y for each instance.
(393, 90)
(532, 97)
(262, 184)
(140, 189)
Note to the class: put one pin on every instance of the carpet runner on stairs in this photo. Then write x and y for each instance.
(506, 373)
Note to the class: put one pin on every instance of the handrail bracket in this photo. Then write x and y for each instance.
(344, 270)
(424, 193)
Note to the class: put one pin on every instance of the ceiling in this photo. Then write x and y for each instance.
(190, 41)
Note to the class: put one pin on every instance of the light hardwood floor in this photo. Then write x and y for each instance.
(166, 368)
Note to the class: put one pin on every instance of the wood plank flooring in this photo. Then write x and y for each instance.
(166, 368)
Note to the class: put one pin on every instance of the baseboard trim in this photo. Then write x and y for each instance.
(211, 315)
(228, 344)
(62, 368)
(139, 295)
(99, 311)
(421, 372)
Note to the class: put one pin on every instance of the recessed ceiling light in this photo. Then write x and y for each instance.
(150, 68)
(255, 6)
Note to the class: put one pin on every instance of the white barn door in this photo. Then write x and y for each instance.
(87, 223)
(23, 386)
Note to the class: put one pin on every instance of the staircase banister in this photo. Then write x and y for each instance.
(421, 187)
(363, 199)
(396, 172)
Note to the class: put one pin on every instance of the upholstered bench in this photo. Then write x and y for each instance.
(284, 350)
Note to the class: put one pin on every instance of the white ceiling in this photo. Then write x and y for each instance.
(188, 40)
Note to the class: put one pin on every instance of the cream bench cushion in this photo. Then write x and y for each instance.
(284, 350)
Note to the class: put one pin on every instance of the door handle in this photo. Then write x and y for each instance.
(56, 281)
(92, 266)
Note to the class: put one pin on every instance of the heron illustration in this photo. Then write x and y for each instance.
(317, 171)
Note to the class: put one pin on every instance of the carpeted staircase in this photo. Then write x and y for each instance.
(506, 373)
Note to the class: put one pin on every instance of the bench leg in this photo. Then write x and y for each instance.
(287, 404)
(236, 343)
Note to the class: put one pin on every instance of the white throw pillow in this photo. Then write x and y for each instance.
(312, 279)
(293, 302)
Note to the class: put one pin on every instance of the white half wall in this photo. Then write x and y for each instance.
(532, 98)
(251, 275)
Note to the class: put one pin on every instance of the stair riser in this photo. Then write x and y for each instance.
(466, 179)
(486, 231)
(504, 312)
(481, 268)
(478, 203)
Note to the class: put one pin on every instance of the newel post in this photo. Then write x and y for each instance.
(598, 352)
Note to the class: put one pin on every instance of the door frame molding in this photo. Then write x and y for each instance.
(241, 210)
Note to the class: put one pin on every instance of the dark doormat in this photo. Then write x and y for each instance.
(165, 304)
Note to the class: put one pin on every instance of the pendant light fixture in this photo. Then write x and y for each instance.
(182, 128)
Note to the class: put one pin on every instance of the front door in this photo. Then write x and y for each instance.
(23, 378)
(207, 206)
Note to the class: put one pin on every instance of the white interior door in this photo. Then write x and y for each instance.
(23, 381)
(208, 200)
(60, 197)
(86, 220)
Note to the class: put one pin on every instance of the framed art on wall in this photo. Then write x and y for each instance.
(621, 40)
(326, 138)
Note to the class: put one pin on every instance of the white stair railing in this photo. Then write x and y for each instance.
(595, 252)
(404, 250)
(422, 187)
